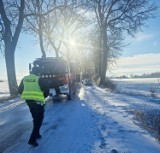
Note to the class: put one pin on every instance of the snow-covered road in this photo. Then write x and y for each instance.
(94, 122)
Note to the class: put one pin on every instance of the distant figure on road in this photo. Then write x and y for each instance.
(34, 90)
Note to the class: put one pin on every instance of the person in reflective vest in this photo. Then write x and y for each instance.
(34, 90)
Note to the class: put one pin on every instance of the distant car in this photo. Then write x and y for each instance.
(88, 82)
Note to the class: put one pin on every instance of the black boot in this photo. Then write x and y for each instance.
(33, 143)
(38, 136)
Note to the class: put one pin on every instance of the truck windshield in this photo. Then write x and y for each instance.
(51, 66)
(54, 67)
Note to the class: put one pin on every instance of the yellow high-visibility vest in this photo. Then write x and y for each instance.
(32, 89)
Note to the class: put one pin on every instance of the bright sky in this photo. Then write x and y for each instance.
(142, 55)
(27, 50)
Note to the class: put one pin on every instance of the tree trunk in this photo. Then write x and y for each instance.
(104, 57)
(55, 49)
(41, 38)
(103, 72)
(41, 45)
(40, 26)
(10, 66)
(100, 55)
(10, 39)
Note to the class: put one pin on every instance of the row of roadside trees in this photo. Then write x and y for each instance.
(90, 32)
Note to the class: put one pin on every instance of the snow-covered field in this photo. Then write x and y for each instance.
(95, 121)
(4, 91)
(141, 87)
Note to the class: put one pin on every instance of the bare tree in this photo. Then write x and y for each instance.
(38, 11)
(63, 26)
(12, 15)
(11, 21)
(52, 36)
(118, 16)
(44, 21)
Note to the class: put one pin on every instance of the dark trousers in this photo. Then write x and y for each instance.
(37, 112)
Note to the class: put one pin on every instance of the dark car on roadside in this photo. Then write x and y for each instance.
(88, 82)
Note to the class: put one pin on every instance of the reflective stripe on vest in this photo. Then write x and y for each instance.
(32, 89)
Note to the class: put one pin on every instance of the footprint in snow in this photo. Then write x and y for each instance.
(125, 115)
(114, 122)
(103, 127)
(103, 143)
(111, 110)
(55, 126)
(113, 151)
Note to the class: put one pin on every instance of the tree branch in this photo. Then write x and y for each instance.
(20, 23)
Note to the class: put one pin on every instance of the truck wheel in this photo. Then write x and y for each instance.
(69, 97)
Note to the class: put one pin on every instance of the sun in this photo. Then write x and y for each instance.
(72, 43)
